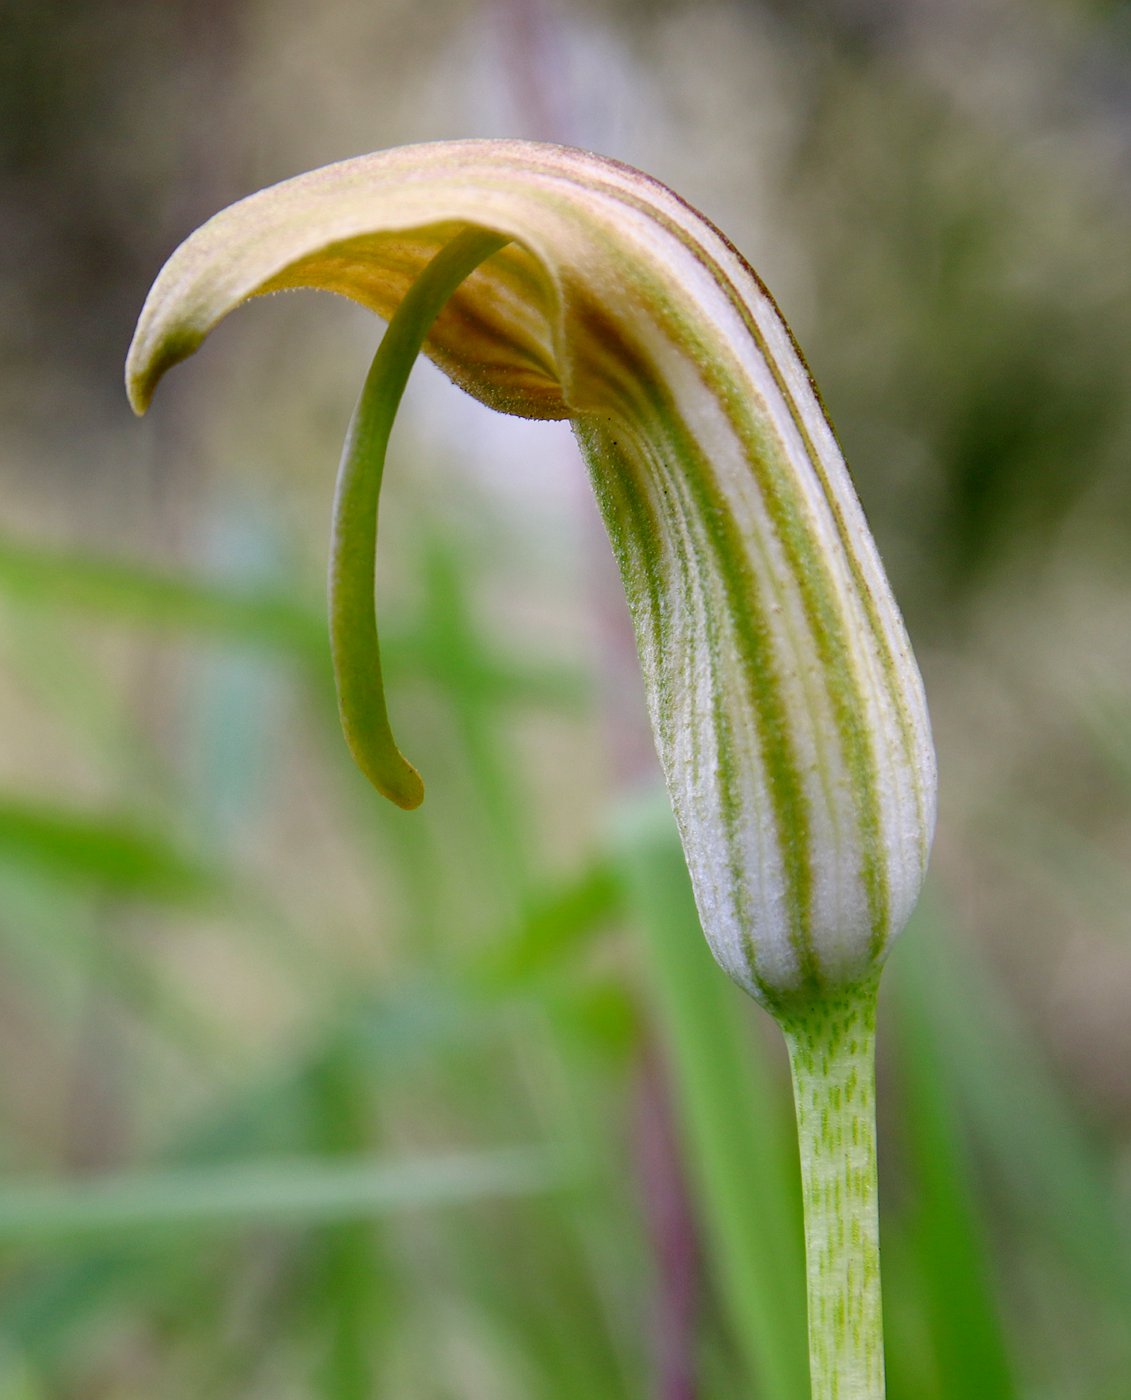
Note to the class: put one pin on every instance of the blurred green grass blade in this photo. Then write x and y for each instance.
(115, 852)
(741, 1150)
(135, 593)
(57, 941)
(947, 1236)
(352, 1274)
(912, 1364)
(262, 616)
(532, 1294)
(559, 918)
(1056, 1177)
(449, 632)
(449, 644)
(17, 1379)
(1106, 719)
(61, 1298)
(293, 1194)
(463, 1002)
(55, 671)
(391, 1033)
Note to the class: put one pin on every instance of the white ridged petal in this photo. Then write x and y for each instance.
(788, 709)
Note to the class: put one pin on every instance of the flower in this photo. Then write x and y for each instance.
(787, 707)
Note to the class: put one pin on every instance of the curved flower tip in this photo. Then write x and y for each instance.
(787, 707)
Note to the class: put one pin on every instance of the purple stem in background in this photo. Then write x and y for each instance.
(532, 60)
(673, 1234)
(532, 66)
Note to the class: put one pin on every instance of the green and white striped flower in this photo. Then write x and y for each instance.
(787, 706)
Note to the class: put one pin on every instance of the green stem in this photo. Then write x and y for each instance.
(353, 545)
(832, 1056)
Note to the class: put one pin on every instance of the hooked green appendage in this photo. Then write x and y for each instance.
(354, 642)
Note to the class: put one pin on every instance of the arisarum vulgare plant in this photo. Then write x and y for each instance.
(787, 707)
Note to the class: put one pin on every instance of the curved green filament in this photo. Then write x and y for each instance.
(353, 543)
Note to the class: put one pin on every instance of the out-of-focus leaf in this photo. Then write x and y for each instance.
(55, 938)
(118, 853)
(1107, 722)
(558, 920)
(134, 593)
(17, 1381)
(947, 1243)
(287, 1193)
(131, 592)
(352, 1270)
(1057, 1179)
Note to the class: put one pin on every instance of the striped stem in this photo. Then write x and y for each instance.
(832, 1056)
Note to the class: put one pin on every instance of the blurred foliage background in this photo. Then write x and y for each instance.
(304, 1097)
